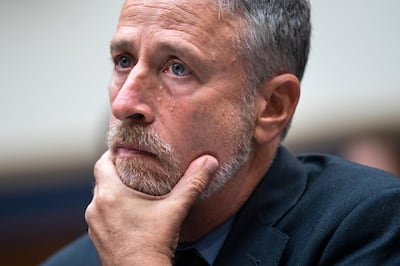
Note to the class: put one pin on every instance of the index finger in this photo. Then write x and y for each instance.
(105, 171)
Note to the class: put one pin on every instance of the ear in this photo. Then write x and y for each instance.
(275, 104)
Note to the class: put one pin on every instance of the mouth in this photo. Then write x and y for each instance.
(124, 150)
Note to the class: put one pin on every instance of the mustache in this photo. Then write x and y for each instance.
(122, 133)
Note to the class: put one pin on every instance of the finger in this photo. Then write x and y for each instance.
(195, 179)
(105, 171)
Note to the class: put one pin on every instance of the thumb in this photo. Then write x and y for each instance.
(195, 179)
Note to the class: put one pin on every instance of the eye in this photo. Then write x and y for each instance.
(123, 62)
(179, 69)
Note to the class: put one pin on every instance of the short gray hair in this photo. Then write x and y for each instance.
(274, 38)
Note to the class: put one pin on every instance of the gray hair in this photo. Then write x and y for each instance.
(273, 39)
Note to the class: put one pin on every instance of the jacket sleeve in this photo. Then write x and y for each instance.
(79, 252)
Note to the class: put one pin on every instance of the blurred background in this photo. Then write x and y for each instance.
(55, 68)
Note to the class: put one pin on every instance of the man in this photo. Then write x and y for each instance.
(202, 94)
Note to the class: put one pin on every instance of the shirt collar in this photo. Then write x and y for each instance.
(210, 245)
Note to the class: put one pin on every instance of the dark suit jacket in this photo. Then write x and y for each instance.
(310, 210)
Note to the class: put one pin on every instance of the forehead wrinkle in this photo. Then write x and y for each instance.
(178, 15)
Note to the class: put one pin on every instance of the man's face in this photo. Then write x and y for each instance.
(176, 93)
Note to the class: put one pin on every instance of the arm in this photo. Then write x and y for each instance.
(131, 228)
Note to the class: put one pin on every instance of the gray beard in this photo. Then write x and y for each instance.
(139, 176)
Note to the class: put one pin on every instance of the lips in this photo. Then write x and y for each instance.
(131, 150)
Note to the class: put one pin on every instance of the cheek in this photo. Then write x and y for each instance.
(207, 132)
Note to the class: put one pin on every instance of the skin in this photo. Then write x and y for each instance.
(195, 114)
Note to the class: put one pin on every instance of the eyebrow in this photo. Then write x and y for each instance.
(121, 46)
(187, 54)
(166, 47)
(179, 50)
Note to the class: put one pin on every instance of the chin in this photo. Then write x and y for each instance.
(145, 178)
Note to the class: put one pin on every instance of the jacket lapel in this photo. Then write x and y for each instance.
(266, 249)
(253, 240)
(273, 243)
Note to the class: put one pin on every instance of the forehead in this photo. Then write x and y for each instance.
(197, 18)
(171, 11)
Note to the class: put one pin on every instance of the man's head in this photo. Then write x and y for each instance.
(207, 77)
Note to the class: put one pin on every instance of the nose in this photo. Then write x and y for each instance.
(131, 100)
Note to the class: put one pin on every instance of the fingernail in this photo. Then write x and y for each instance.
(211, 164)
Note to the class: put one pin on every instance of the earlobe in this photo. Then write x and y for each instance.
(275, 105)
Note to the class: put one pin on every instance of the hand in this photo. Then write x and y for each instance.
(132, 228)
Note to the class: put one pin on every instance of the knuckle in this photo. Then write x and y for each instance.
(97, 167)
(198, 184)
(102, 201)
(89, 212)
(105, 199)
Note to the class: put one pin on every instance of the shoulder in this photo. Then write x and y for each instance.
(347, 211)
(335, 174)
(79, 252)
(336, 187)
